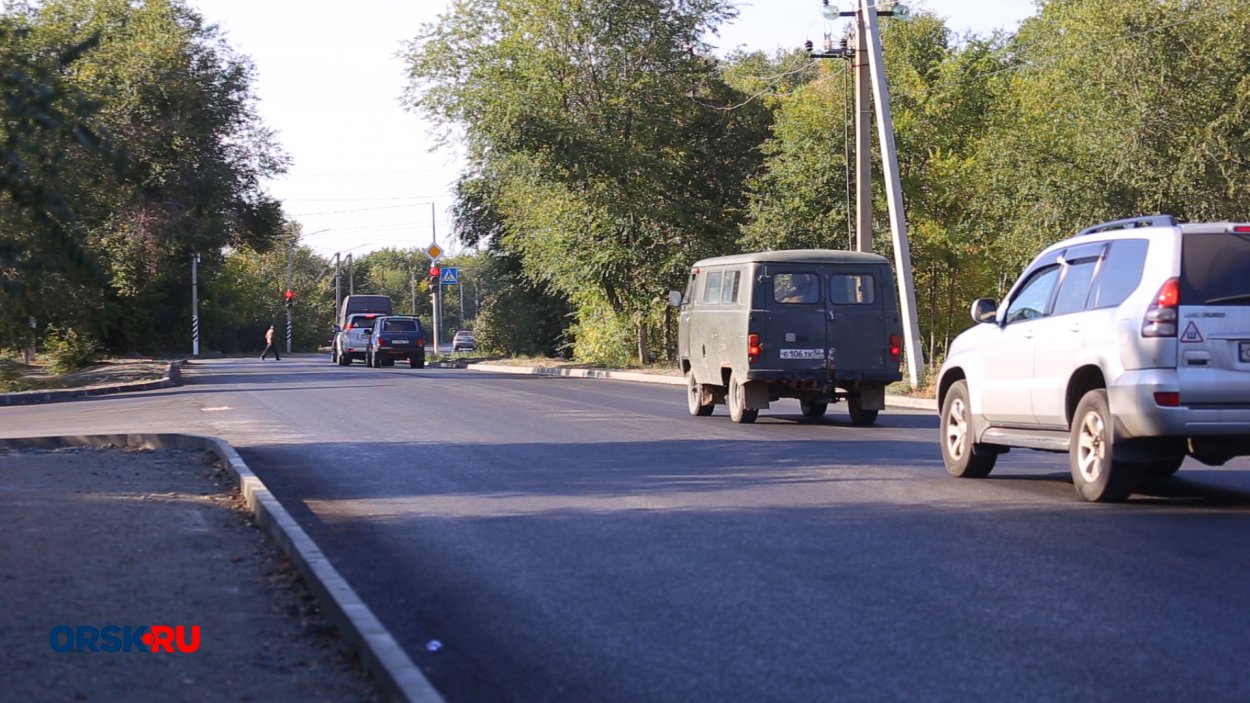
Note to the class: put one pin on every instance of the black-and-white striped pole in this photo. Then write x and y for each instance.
(195, 305)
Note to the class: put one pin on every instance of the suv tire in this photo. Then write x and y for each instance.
(737, 401)
(694, 396)
(963, 457)
(1097, 475)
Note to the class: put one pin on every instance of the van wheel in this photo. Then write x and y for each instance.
(694, 397)
(737, 400)
(963, 457)
(860, 416)
(813, 409)
(1096, 474)
(416, 363)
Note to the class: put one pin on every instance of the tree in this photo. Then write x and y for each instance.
(605, 173)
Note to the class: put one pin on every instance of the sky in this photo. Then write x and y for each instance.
(364, 174)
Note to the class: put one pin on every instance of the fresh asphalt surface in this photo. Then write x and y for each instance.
(588, 540)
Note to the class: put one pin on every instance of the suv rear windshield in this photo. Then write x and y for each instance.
(1214, 268)
(360, 321)
(399, 326)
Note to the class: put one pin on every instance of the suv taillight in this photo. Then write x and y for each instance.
(1160, 319)
(348, 327)
(420, 341)
(753, 348)
(896, 350)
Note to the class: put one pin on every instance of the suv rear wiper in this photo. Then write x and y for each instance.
(1230, 298)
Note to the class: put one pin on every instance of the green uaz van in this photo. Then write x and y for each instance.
(818, 325)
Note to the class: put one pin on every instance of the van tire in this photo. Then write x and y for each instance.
(416, 363)
(963, 457)
(694, 397)
(1096, 474)
(737, 400)
(812, 409)
(860, 416)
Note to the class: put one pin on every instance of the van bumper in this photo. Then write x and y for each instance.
(828, 377)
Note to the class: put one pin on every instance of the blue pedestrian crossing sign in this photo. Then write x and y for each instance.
(450, 276)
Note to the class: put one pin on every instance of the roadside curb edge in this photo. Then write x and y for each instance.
(397, 676)
(894, 400)
(173, 377)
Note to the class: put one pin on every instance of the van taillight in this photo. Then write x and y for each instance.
(420, 341)
(1160, 319)
(753, 347)
(896, 349)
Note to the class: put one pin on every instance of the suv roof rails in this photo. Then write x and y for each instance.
(1130, 223)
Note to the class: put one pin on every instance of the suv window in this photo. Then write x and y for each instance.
(1213, 269)
(796, 288)
(851, 289)
(711, 287)
(361, 321)
(399, 326)
(1031, 301)
(1080, 265)
(1120, 273)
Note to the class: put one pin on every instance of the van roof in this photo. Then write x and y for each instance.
(813, 256)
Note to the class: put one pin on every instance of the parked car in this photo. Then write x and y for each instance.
(463, 341)
(1127, 346)
(396, 337)
(352, 340)
(818, 325)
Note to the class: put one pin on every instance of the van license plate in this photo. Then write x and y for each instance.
(1244, 349)
(802, 353)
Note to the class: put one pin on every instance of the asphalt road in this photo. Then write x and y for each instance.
(578, 540)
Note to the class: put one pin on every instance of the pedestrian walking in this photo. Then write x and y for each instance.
(269, 345)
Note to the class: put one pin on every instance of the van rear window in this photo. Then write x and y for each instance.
(851, 289)
(1215, 269)
(796, 288)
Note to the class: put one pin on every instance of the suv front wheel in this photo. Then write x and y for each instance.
(1097, 475)
(963, 457)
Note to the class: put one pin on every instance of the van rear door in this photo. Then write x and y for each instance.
(1213, 329)
(794, 296)
(858, 326)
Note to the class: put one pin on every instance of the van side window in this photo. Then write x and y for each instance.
(796, 288)
(1120, 274)
(711, 287)
(729, 287)
(851, 289)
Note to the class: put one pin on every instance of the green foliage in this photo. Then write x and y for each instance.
(69, 349)
(604, 177)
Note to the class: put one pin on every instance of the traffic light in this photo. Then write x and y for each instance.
(290, 297)
(435, 272)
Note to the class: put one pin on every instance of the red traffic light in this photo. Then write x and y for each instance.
(434, 271)
(289, 295)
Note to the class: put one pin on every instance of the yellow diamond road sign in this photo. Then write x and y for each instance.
(434, 250)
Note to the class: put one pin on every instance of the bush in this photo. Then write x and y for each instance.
(69, 350)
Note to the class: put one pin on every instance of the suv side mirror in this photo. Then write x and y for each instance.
(674, 298)
(984, 310)
(337, 329)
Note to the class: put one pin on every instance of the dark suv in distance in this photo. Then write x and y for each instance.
(1127, 346)
(395, 337)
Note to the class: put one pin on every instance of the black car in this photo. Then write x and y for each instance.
(395, 337)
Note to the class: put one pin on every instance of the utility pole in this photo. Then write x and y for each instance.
(290, 275)
(195, 306)
(869, 63)
(351, 275)
(338, 285)
(863, 139)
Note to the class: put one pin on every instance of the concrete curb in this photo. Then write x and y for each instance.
(390, 666)
(173, 377)
(897, 401)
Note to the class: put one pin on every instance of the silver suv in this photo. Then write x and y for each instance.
(352, 341)
(1127, 346)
